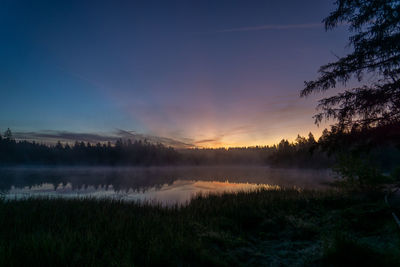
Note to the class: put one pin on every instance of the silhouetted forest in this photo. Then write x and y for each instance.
(304, 152)
(120, 153)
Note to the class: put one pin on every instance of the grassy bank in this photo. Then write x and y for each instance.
(259, 228)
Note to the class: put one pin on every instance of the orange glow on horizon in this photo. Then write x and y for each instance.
(260, 143)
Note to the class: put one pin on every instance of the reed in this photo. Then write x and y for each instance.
(281, 226)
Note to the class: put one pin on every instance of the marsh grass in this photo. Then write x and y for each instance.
(264, 227)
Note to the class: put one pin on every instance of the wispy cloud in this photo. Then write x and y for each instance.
(208, 141)
(218, 139)
(50, 136)
(275, 27)
(152, 138)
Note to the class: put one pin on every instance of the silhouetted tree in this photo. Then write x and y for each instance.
(8, 134)
(303, 153)
(375, 25)
(311, 139)
(59, 146)
(121, 153)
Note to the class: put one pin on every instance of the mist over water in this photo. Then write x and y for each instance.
(167, 185)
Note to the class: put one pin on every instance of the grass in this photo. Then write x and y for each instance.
(278, 227)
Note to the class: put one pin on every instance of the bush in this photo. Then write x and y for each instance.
(358, 173)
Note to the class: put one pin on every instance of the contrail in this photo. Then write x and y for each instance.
(275, 27)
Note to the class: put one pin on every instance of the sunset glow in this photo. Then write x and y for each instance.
(198, 75)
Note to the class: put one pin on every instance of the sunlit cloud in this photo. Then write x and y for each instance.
(246, 121)
(206, 141)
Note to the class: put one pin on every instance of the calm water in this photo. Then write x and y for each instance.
(168, 185)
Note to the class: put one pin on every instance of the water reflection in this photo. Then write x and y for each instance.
(179, 192)
(164, 184)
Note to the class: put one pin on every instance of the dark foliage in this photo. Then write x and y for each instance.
(120, 153)
(375, 25)
(303, 153)
(261, 228)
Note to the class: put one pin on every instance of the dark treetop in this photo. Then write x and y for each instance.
(375, 60)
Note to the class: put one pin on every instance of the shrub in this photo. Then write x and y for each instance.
(358, 173)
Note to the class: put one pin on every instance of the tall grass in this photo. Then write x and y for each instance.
(283, 226)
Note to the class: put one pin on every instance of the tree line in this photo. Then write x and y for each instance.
(304, 152)
(81, 153)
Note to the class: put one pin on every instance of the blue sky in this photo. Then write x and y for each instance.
(209, 73)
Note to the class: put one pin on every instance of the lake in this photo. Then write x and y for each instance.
(166, 185)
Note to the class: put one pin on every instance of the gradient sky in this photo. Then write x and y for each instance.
(206, 73)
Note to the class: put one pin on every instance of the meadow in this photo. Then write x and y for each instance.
(286, 227)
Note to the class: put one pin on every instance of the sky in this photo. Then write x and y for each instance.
(187, 73)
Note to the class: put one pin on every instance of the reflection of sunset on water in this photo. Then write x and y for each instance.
(179, 192)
